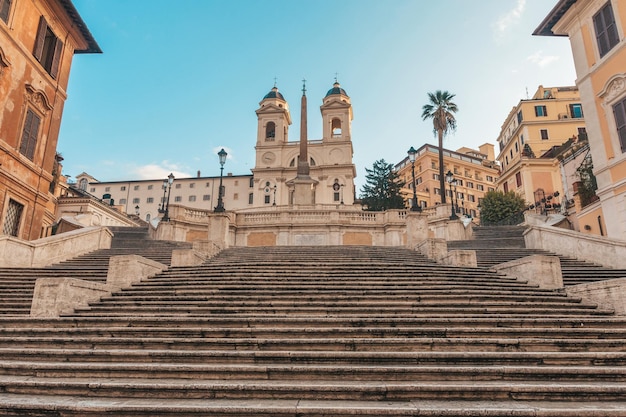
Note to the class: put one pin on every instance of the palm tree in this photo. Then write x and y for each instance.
(441, 110)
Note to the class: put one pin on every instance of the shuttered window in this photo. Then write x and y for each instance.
(5, 6)
(48, 48)
(619, 110)
(30, 134)
(606, 30)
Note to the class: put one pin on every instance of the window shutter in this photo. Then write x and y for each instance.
(619, 110)
(56, 59)
(41, 37)
(29, 135)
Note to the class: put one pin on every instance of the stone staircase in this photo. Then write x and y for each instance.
(498, 244)
(17, 284)
(319, 331)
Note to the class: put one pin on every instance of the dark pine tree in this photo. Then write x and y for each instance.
(382, 188)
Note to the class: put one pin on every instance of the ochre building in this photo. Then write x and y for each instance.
(38, 40)
(529, 136)
(475, 172)
(597, 33)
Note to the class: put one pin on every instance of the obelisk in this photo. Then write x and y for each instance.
(303, 185)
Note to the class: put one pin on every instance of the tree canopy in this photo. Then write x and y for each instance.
(381, 190)
(498, 207)
(440, 110)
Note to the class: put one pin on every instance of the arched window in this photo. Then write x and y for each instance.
(148, 217)
(336, 128)
(270, 131)
(82, 184)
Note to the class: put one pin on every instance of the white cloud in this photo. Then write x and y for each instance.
(156, 171)
(542, 60)
(508, 20)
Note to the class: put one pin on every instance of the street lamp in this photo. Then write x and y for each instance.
(414, 206)
(137, 210)
(170, 180)
(162, 205)
(449, 179)
(220, 203)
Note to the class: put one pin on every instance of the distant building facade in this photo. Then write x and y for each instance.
(597, 33)
(531, 132)
(38, 40)
(476, 173)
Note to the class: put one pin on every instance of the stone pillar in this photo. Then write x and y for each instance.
(543, 271)
(416, 228)
(218, 230)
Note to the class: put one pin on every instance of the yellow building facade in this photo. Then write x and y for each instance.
(38, 40)
(475, 172)
(597, 32)
(533, 129)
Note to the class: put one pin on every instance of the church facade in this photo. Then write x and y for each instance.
(329, 159)
(329, 179)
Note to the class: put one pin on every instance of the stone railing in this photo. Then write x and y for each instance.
(319, 216)
(597, 249)
(19, 253)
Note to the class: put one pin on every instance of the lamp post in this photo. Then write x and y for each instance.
(449, 178)
(342, 193)
(414, 206)
(220, 203)
(170, 181)
(136, 210)
(456, 196)
(162, 205)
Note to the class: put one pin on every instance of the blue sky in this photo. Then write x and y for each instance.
(178, 81)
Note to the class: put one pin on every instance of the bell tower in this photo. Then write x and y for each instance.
(273, 119)
(336, 115)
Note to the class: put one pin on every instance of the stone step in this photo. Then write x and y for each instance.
(40, 405)
(528, 390)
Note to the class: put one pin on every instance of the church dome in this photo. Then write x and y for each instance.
(336, 90)
(274, 93)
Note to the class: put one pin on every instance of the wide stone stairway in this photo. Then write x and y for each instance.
(498, 244)
(319, 331)
(17, 284)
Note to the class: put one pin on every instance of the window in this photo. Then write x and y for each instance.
(521, 138)
(619, 110)
(518, 179)
(92, 190)
(460, 196)
(207, 185)
(520, 117)
(544, 134)
(178, 199)
(135, 201)
(251, 182)
(150, 187)
(192, 185)
(436, 177)
(136, 187)
(506, 187)
(122, 200)
(150, 200)
(47, 48)
(459, 183)
(576, 110)
(13, 218)
(250, 198)
(606, 30)
(336, 128)
(267, 199)
(206, 197)
(470, 184)
(270, 131)
(123, 188)
(5, 6)
(471, 198)
(107, 189)
(192, 198)
(480, 187)
(489, 178)
(541, 111)
(178, 185)
(236, 183)
(516, 147)
(418, 180)
(437, 191)
(236, 196)
(491, 189)
(30, 132)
